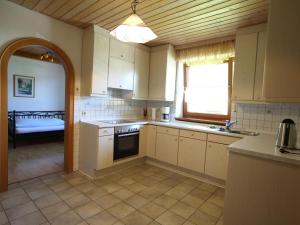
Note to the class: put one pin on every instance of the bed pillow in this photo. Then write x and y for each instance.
(44, 122)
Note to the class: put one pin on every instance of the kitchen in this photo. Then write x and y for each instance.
(143, 157)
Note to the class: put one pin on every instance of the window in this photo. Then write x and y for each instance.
(208, 91)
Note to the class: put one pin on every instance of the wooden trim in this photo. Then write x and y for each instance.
(69, 102)
(213, 118)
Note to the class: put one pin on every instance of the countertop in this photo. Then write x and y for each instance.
(174, 124)
(263, 146)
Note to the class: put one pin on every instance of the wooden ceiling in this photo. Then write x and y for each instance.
(178, 22)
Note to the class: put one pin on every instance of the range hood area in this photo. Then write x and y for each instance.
(282, 62)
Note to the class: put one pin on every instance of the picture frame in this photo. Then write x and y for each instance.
(24, 86)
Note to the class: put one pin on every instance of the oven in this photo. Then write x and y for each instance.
(126, 141)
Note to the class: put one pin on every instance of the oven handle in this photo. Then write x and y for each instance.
(130, 134)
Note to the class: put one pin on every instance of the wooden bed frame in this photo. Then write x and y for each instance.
(46, 135)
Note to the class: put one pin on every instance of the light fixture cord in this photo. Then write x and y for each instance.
(133, 5)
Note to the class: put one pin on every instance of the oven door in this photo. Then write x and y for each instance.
(126, 144)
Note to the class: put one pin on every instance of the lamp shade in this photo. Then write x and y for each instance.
(133, 29)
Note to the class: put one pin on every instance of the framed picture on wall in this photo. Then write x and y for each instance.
(24, 86)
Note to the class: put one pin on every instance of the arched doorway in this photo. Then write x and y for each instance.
(69, 103)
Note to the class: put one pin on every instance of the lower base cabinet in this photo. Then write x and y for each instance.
(105, 152)
(151, 140)
(216, 160)
(191, 154)
(167, 148)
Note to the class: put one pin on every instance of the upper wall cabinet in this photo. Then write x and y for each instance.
(249, 63)
(141, 72)
(282, 78)
(162, 78)
(121, 65)
(95, 61)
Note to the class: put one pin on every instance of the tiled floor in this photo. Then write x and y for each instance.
(29, 161)
(138, 195)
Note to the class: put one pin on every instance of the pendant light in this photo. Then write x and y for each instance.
(133, 29)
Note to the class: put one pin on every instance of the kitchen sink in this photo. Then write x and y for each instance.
(242, 132)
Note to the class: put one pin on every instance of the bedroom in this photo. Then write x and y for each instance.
(36, 90)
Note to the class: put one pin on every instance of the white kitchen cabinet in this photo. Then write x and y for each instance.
(120, 74)
(151, 141)
(216, 160)
(167, 148)
(162, 78)
(105, 152)
(121, 50)
(95, 57)
(249, 63)
(191, 154)
(141, 72)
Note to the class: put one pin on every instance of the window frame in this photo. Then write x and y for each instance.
(208, 118)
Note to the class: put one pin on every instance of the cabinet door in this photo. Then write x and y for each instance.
(120, 74)
(167, 148)
(260, 65)
(141, 73)
(105, 152)
(191, 154)
(121, 50)
(143, 141)
(216, 160)
(100, 65)
(151, 140)
(244, 73)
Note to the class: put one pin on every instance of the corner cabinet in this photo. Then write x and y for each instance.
(250, 51)
(121, 65)
(162, 79)
(95, 59)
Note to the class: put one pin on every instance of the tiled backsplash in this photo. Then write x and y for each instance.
(264, 117)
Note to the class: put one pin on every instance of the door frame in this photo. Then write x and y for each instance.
(69, 102)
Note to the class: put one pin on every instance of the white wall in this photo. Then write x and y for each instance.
(17, 22)
(49, 85)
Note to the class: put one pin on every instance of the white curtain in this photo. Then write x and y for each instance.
(208, 54)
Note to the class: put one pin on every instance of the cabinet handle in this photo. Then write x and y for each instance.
(167, 130)
(122, 56)
(180, 140)
(209, 146)
(175, 139)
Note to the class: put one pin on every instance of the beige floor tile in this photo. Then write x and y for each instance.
(111, 187)
(102, 181)
(3, 218)
(152, 210)
(20, 210)
(165, 201)
(201, 218)
(12, 193)
(107, 201)
(88, 210)
(86, 187)
(150, 193)
(136, 218)
(220, 222)
(34, 218)
(154, 223)
(183, 187)
(136, 201)
(170, 218)
(175, 193)
(60, 186)
(96, 193)
(136, 187)
(188, 223)
(208, 187)
(198, 193)
(70, 218)
(121, 210)
(192, 181)
(125, 181)
(211, 209)
(39, 192)
(103, 218)
(170, 182)
(14, 201)
(123, 193)
(47, 200)
(68, 193)
(183, 210)
(77, 201)
(217, 200)
(118, 223)
(114, 176)
(78, 180)
(55, 210)
(192, 201)
(162, 187)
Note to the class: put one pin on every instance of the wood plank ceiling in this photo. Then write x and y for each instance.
(178, 22)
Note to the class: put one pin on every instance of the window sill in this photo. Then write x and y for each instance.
(215, 122)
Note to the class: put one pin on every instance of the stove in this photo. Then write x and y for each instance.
(115, 121)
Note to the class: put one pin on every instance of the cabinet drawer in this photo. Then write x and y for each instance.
(106, 131)
(193, 134)
(222, 139)
(168, 130)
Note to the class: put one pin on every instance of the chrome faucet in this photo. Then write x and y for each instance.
(229, 124)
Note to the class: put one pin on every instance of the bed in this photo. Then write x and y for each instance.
(31, 126)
